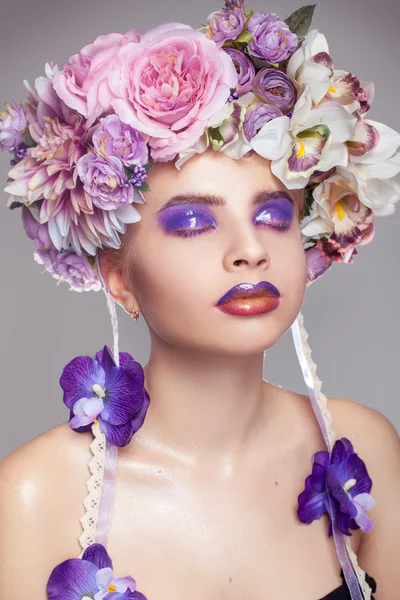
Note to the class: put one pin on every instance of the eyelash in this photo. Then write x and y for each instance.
(192, 232)
(281, 227)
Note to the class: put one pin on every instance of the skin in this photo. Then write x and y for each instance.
(198, 352)
(207, 489)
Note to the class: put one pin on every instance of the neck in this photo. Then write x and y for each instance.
(204, 407)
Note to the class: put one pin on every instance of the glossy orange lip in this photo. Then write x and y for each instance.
(250, 306)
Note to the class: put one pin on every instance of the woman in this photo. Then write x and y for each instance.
(209, 469)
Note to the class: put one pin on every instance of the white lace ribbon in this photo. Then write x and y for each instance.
(353, 574)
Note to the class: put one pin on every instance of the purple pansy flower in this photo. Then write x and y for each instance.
(90, 577)
(115, 138)
(274, 87)
(245, 69)
(96, 389)
(339, 483)
(104, 180)
(273, 40)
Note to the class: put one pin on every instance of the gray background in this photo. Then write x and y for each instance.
(351, 314)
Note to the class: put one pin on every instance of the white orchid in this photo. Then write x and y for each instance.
(223, 132)
(338, 211)
(348, 201)
(314, 139)
(377, 171)
(311, 65)
(355, 95)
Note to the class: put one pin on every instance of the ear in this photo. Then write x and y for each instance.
(116, 284)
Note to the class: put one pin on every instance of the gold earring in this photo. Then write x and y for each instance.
(134, 314)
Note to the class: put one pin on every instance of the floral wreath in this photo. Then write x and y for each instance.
(83, 141)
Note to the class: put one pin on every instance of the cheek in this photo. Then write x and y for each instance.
(177, 285)
(173, 284)
(287, 267)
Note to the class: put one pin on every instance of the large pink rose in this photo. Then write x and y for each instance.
(170, 85)
(83, 82)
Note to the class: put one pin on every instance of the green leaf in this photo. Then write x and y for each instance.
(300, 21)
(29, 141)
(144, 187)
(92, 261)
(147, 167)
(215, 134)
(245, 37)
(248, 16)
(308, 200)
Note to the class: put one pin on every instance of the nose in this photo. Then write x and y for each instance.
(246, 252)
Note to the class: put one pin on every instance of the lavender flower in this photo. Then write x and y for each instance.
(105, 181)
(273, 40)
(90, 577)
(12, 126)
(257, 115)
(96, 389)
(274, 87)
(139, 176)
(338, 485)
(115, 138)
(233, 96)
(20, 152)
(68, 266)
(226, 24)
(245, 69)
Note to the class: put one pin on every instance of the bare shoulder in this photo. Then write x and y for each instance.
(377, 442)
(43, 485)
(367, 427)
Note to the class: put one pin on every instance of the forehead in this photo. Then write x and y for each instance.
(212, 173)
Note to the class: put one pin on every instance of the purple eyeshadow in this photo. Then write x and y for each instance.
(184, 220)
(277, 213)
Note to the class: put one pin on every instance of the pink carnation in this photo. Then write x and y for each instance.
(170, 85)
(83, 82)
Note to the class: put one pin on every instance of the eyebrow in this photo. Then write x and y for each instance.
(217, 200)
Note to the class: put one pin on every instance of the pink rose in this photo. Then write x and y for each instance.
(170, 85)
(83, 82)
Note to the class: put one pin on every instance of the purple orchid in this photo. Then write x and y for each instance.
(98, 390)
(339, 483)
(90, 577)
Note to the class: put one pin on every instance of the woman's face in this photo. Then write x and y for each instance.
(189, 249)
